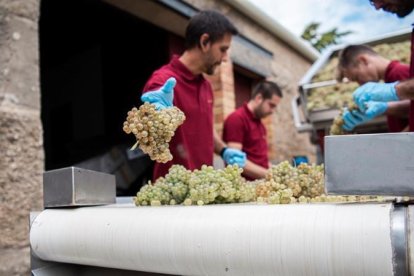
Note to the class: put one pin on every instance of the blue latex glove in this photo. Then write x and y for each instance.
(353, 118)
(163, 97)
(374, 91)
(374, 109)
(234, 156)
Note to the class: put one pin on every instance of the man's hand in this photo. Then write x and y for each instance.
(163, 97)
(374, 91)
(375, 109)
(353, 118)
(234, 156)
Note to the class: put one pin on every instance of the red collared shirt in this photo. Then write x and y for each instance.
(412, 75)
(396, 71)
(243, 127)
(192, 145)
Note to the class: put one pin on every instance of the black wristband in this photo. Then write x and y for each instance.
(222, 151)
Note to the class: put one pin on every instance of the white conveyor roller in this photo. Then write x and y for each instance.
(296, 239)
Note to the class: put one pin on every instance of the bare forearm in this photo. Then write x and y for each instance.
(218, 142)
(405, 89)
(254, 171)
(399, 109)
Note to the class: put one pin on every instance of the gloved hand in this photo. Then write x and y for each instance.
(374, 109)
(234, 156)
(374, 91)
(353, 118)
(163, 97)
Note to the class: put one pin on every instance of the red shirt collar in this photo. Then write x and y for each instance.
(183, 70)
(390, 66)
(250, 113)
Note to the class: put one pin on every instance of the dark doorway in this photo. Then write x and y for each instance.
(94, 61)
(244, 81)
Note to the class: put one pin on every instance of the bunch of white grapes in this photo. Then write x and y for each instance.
(154, 195)
(178, 178)
(335, 96)
(199, 187)
(286, 184)
(336, 127)
(395, 51)
(153, 129)
(208, 185)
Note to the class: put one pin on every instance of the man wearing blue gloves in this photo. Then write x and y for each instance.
(371, 97)
(181, 83)
(243, 129)
(362, 64)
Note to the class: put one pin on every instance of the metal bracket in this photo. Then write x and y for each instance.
(399, 233)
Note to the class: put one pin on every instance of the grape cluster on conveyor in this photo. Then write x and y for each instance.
(283, 184)
(198, 187)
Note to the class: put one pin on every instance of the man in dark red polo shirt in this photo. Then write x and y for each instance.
(181, 83)
(385, 92)
(244, 130)
(362, 64)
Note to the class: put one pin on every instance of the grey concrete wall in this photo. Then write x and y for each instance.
(21, 142)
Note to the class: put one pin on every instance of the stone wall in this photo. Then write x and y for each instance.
(21, 141)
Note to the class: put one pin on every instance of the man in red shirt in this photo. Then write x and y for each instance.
(362, 64)
(371, 92)
(244, 130)
(181, 83)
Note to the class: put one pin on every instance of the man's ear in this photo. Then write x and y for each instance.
(204, 41)
(363, 59)
(258, 98)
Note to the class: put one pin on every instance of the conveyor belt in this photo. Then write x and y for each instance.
(296, 239)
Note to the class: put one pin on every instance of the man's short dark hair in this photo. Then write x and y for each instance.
(267, 89)
(208, 22)
(348, 56)
(404, 7)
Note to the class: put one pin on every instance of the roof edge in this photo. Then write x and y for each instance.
(271, 25)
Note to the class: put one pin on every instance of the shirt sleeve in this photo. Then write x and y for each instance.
(233, 130)
(155, 81)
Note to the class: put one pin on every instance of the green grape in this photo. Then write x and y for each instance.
(188, 202)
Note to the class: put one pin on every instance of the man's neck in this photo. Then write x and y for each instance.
(382, 65)
(251, 106)
(191, 60)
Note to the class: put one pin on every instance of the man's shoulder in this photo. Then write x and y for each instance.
(396, 71)
(165, 71)
(237, 115)
(159, 77)
(400, 66)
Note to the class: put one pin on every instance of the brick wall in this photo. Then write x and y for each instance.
(224, 98)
